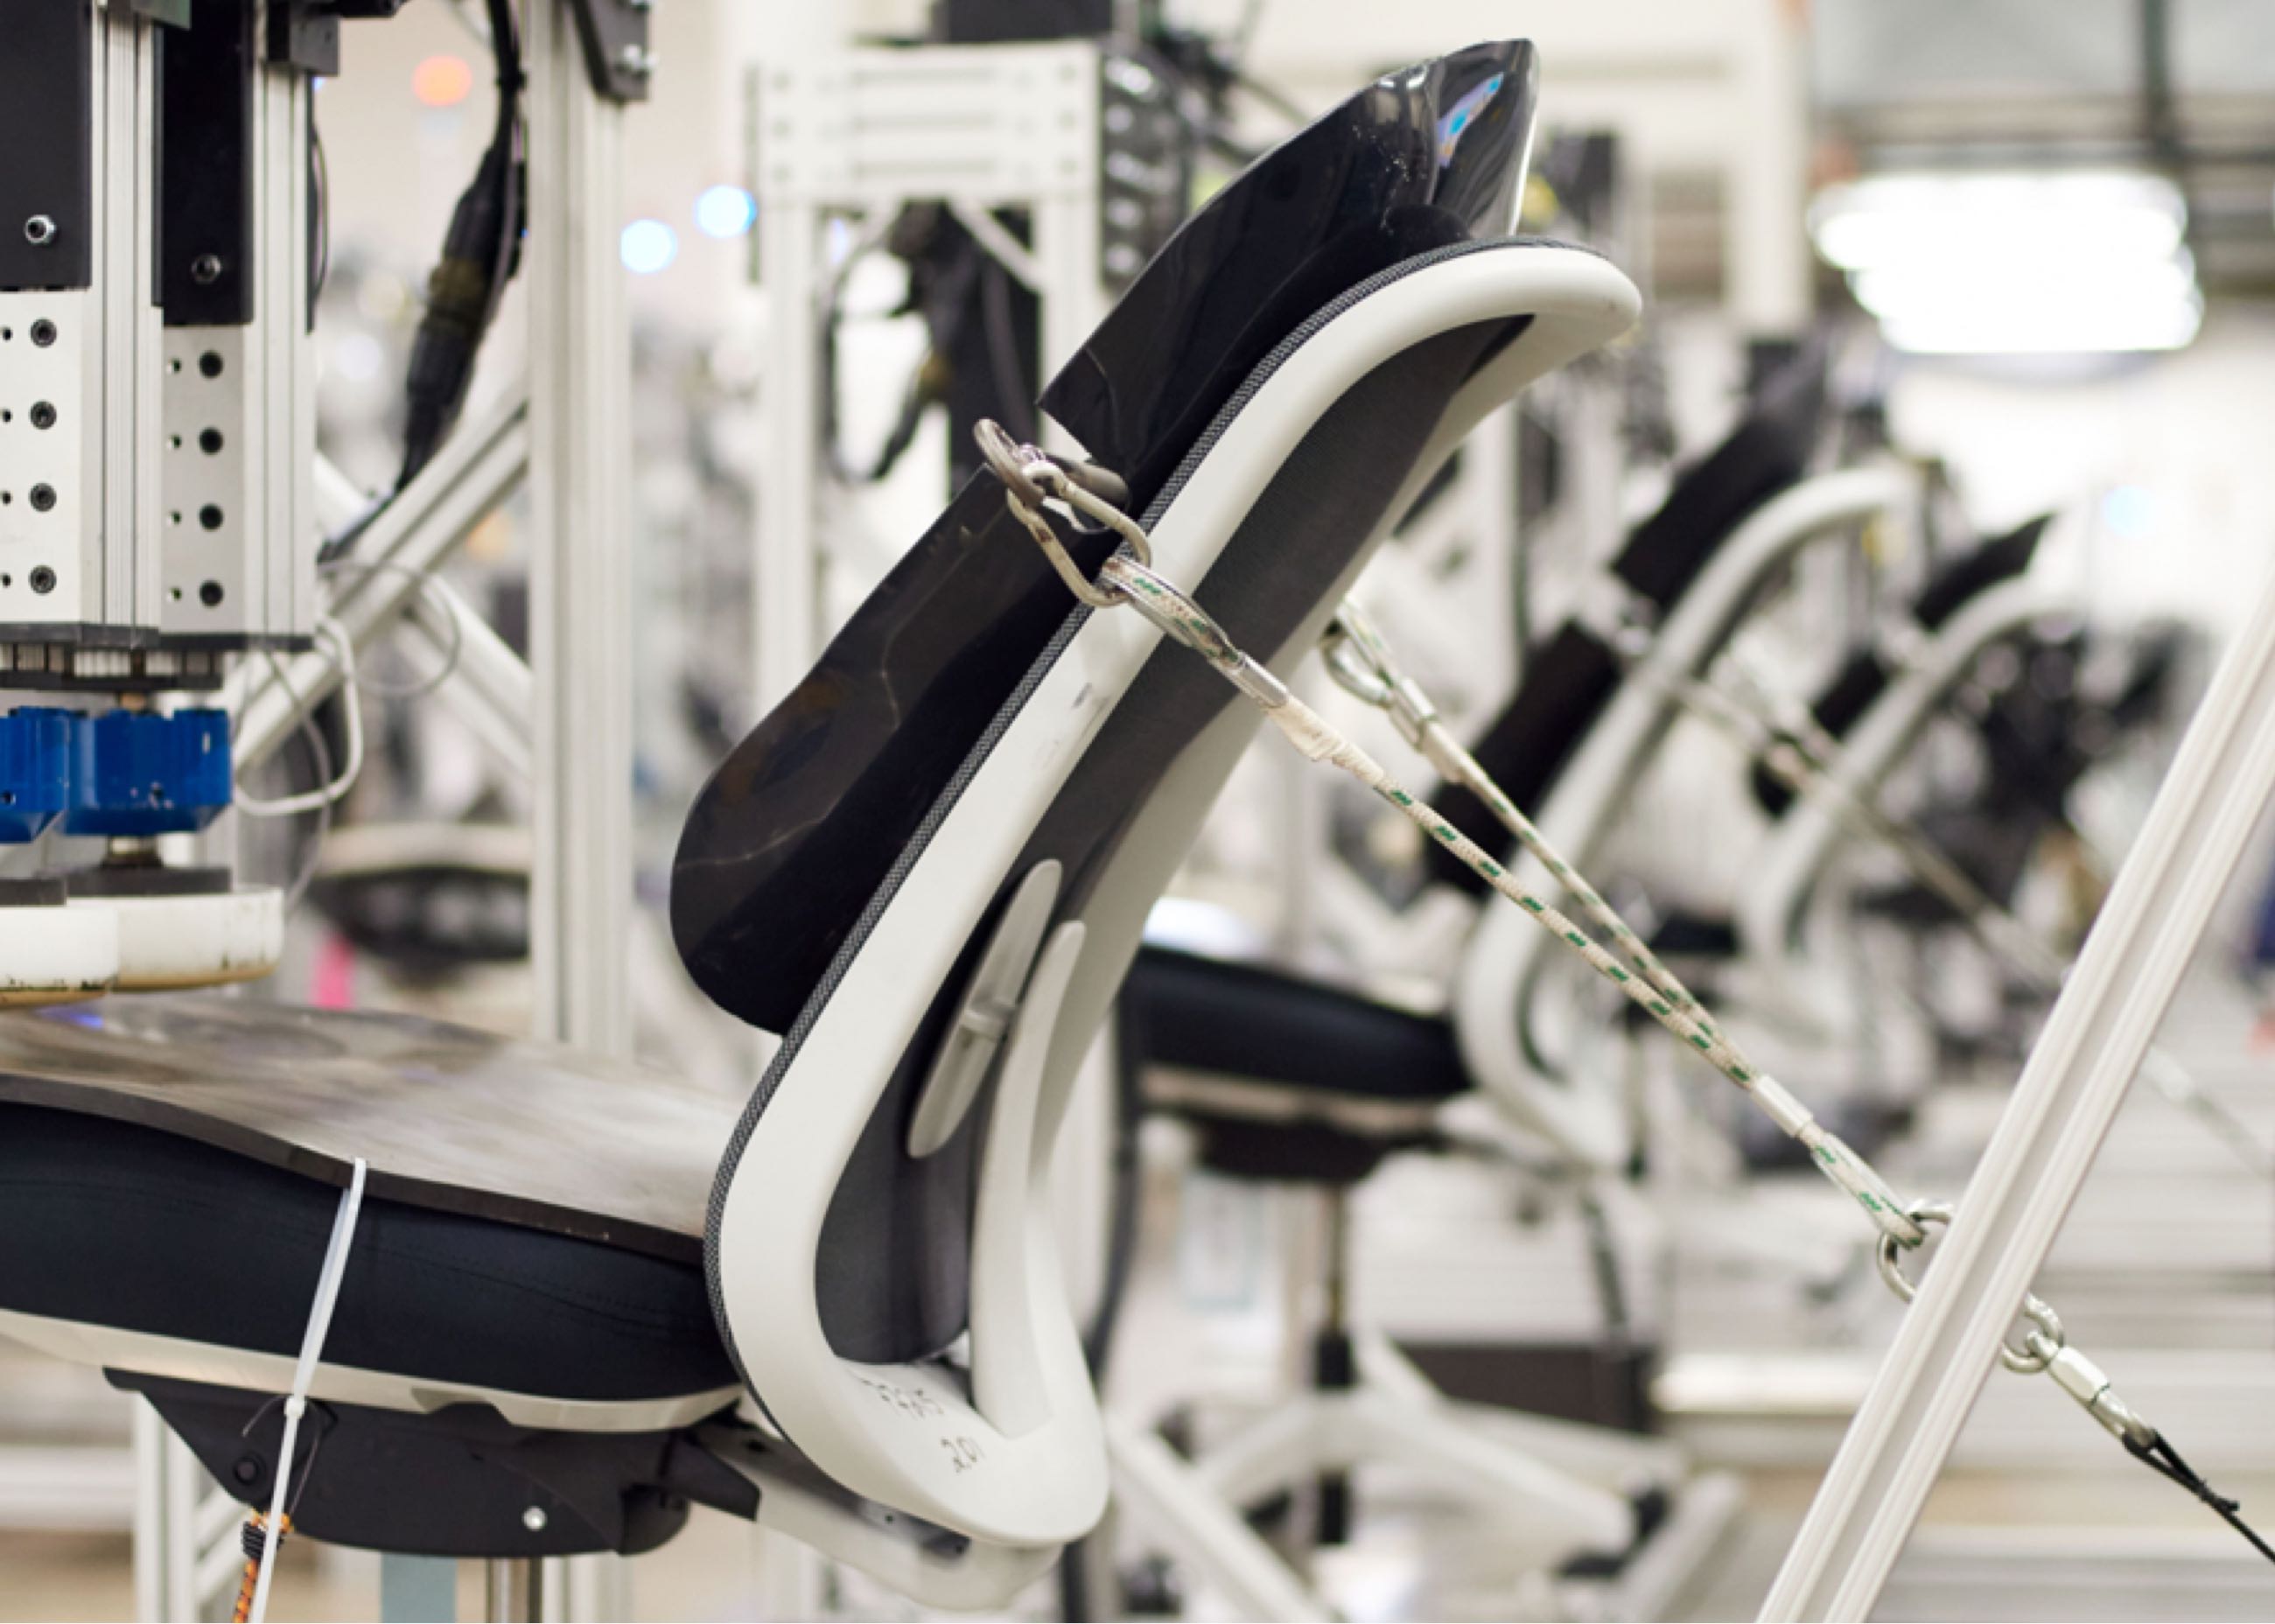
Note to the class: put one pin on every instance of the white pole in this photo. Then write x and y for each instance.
(580, 620)
(2070, 1091)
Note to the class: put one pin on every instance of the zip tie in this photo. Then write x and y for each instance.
(312, 1347)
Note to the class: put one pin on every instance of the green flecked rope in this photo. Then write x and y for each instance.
(1321, 741)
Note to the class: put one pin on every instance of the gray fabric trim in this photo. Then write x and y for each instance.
(793, 1039)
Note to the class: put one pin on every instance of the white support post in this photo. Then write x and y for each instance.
(580, 602)
(785, 577)
(580, 629)
(2036, 1162)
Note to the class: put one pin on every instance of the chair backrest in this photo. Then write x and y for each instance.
(1504, 1026)
(1003, 782)
(1570, 680)
(845, 769)
(1865, 675)
(1800, 850)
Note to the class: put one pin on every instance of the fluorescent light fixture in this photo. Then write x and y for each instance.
(2015, 262)
(647, 246)
(725, 211)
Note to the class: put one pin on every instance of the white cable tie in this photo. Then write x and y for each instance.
(1786, 1112)
(304, 1373)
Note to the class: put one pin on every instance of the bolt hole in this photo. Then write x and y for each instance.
(43, 333)
(43, 414)
(7, 416)
(177, 594)
(43, 579)
(43, 498)
(209, 365)
(6, 497)
(173, 367)
(7, 333)
(173, 518)
(210, 517)
(174, 441)
(210, 442)
(210, 594)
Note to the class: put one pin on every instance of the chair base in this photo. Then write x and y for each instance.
(463, 1482)
(1556, 1493)
(458, 1482)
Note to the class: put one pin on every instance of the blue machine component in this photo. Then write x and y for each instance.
(137, 774)
(36, 763)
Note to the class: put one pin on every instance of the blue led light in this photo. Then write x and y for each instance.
(725, 211)
(647, 246)
(2129, 510)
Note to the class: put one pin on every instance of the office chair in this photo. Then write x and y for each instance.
(1291, 1081)
(581, 1296)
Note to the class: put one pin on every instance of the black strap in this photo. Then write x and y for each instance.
(2162, 1458)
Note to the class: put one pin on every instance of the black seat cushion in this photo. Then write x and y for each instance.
(1304, 1046)
(111, 1223)
(1245, 1021)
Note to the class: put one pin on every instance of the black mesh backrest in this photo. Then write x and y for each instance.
(1962, 579)
(1570, 682)
(1768, 451)
(1568, 685)
(1865, 676)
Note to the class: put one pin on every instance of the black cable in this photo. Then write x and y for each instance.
(480, 252)
(2179, 1471)
(1013, 389)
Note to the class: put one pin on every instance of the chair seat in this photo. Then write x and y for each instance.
(1289, 1078)
(531, 1226)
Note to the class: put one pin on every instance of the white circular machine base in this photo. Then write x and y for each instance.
(167, 943)
(56, 956)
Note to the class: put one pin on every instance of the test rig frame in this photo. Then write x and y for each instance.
(174, 456)
(562, 432)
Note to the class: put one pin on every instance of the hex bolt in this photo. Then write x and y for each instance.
(43, 414)
(44, 498)
(43, 579)
(40, 231)
(205, 270)
(534, 1519)
(637, 60)
(43, 332)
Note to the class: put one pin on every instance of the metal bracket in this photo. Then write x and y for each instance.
(205, 180)
(47, 123)
(304, 34)
(613, 33)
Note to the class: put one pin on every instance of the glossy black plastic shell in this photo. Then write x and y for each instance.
(796, 830)
(1426, 156)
